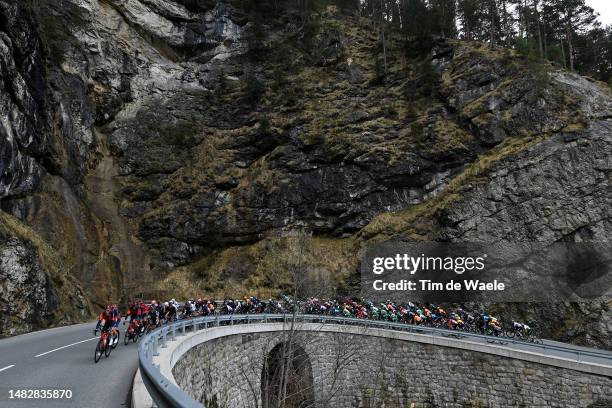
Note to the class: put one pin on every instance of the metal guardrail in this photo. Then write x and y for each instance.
(176, 397)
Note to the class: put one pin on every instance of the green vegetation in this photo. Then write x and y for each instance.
(181, 134)
(253, 89)
(424, 84)
(562, 31)
(527, 47)
(255, 38)
(265, 127)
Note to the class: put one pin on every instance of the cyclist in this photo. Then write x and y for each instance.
(229, 306)
(171, 311)
(144, 311)
(211, 307)
(484, 322)
(199, 306)
(495, 326)
(346, 311)
(153, 314)
(520, 329)
(105, 320)
(455, 321)
(135, 314)
(116, 316)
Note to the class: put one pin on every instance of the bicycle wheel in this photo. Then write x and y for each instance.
(126, 337)
(134, 337)
(108, 348)
(510, 333)
(115, 339)
(99, 351)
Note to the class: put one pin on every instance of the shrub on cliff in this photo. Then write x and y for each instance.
(253, 89)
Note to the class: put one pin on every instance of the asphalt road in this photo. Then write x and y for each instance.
(63, 359)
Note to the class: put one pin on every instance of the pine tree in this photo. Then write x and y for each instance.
(416, 18)
(470, 17)
(575, 17)
(443, 18)
(565, 31)
(595, 53)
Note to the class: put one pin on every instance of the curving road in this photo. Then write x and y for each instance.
(62, 358)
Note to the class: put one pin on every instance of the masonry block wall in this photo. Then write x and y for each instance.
(365, 371)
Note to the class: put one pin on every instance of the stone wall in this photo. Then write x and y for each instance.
(352, 370)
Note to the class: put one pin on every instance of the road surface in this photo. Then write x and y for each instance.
(63, 359)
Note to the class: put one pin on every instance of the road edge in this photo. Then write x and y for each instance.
(140, 395)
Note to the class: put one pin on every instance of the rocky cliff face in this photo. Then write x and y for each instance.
(21, 273)
(25, 119)
(175, 145)
(34, 290)
(40, 150)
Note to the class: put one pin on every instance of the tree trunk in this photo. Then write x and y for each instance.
(537, 15)
(522, 22)
(468, 34)
(563, 53)
(504, 20)
(382, 31)
(570, 46)
(544, 42)
(492, 7)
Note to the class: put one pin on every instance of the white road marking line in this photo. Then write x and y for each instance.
(7, 367)
(63, 347)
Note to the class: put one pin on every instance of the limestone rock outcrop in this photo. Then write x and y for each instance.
(169, 145)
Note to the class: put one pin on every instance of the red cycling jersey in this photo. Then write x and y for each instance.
(106, 316)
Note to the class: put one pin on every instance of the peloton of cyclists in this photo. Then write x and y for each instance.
(153, 314)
